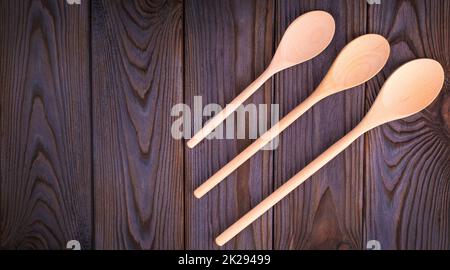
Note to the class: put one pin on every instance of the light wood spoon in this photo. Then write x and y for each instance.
(410, 89)
(305, 38)
(357, 63)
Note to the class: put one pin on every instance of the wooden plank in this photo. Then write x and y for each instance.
(227, 45)
(45, 143)
(137, 78)
(326, 211)
(408, 161)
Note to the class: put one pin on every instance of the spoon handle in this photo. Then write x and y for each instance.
(230, 108)
(291, 184)
(257, 144)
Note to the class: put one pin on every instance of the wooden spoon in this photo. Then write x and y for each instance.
(305, 38)
(410, 89)
(357, 63)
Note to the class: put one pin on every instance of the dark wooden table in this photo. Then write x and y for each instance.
(87, 154)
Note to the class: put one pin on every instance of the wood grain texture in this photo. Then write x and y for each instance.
(408, 161)
(227, 45)
(86, 150)
(137, 78)
(326, 211)
(45, 153)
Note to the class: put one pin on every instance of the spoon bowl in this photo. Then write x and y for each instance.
(362, 58)
(305, 38)
(410, 89)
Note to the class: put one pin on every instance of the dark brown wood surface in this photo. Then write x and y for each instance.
(45, 143)
(86, 93)
(326, 211)
(138, 167)
(408, 161)
(227, 45)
